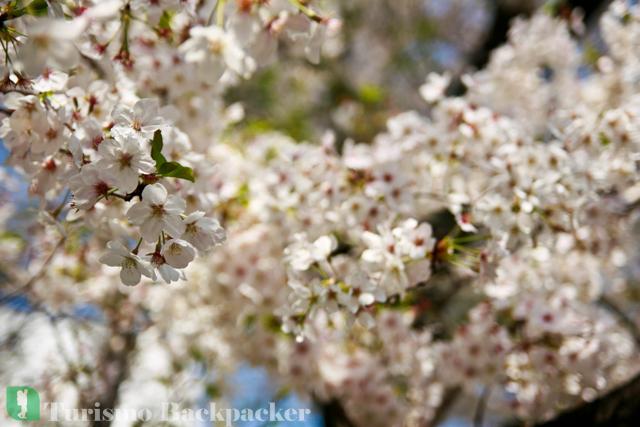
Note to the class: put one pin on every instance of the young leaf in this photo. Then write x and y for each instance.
(37, 8)
(165, 168)
(176, 170)
(165, 20)
(156, 149)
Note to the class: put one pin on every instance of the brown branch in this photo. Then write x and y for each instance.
(481, 407)
(115, 363)
(450, 397)
(118, 361)
(334, 414)
(39, 273)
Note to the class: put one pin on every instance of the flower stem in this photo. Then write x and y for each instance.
(220, 12)
(311, 14)
(137, 248)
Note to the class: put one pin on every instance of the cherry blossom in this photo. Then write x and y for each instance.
(203, 232)
(178, 253)
(124, 159)
(305, 195)
(133, 267)
(157, 212)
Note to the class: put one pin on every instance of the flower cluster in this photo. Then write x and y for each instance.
(107, 161)
(486, 245)
(77, 117)
(390, 263)
(537, 235)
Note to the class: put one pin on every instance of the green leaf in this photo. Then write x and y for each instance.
(165, 20)
(37, 8)
(370, 94)
(183, 172)
(591, 53)
(213, 391)
(168, 169)
(552, 7)
(604, 139)
(243, 195)
(15, 9)
(176, 170)
(156, 149)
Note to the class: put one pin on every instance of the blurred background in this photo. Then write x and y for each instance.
(370, 72)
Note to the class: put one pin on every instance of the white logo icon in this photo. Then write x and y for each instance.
(23, 403)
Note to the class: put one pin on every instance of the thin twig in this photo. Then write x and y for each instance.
(220, 12)
(310, 13)
(334, 414)
(37, 275)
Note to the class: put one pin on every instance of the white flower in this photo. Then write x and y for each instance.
(27, 125)
(203, 232)
(214, 50)
(365, 292)
(382, 250)
(124, 159)
(85, 141)
(301, 254)
(52, 80)
(383, 259)
(157, 212)
(306, 297)
(133, 267)
(178, 253)
(143, 119)
(414, 240)
(88, 185)
(52, 137)
(167, 272)
(434, 88)
(50, 44)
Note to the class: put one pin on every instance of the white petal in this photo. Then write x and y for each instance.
(151, 229)
(126, 179)
(366, 299)
(154, 194)
(323, 247)
(111, 259)
(130, 276)
(117, 247)
(178, 253)
(193, 217)
(168, 273)
(175, 205)
(173, 225)
(146, 269)
(138, 213)
(146, 108)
